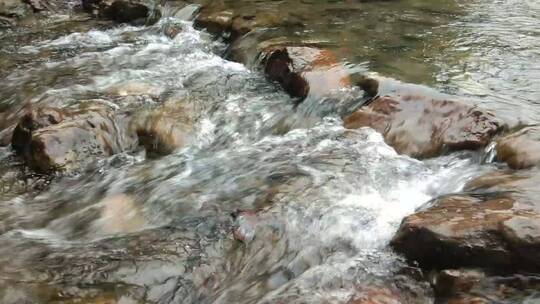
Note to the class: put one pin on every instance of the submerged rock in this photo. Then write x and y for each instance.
(53, 139)
(172, 30)
(14, 8)
(304, 71)
(476, 286)
(216, 22)
(120, 214)
(233, 21)
(5, 135)
(162, 130)
(520, 149)
(425, 127)
(132, 11)
(35, 119)
(245, 225)
(134, 88)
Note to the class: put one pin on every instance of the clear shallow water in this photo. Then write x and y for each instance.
(324, 201)
(495, 59)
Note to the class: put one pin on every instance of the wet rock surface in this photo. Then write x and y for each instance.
(304, 71)
(423, 127)
(231, 20)
(34, 120)
(53, 139)
(158, 265)
(521, 149)
(476, 286)
(457, 231)
(494, 226)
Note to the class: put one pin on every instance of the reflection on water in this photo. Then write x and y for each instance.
(495, 58)
(314, 204)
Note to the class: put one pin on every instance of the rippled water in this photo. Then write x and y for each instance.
(320, 202)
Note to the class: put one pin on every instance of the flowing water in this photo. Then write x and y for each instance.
(320, 202)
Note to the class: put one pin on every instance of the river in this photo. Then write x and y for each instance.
(131, 228)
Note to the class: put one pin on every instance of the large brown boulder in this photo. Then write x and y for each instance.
(495, 225)
(520, 149)
(304, 71)
(457, 231)
(423, 127)
(54, 139)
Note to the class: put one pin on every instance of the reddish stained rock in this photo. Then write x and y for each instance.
(457, 231)
(304, 71)
(423, 127)
(51, 139)
(521, 149)
(495, 225)
(215, 22)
